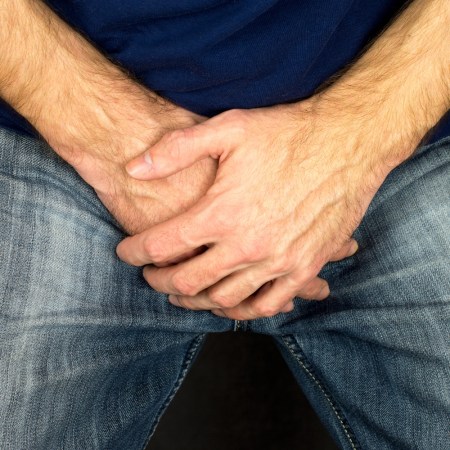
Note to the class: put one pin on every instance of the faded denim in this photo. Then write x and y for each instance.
(90, 356)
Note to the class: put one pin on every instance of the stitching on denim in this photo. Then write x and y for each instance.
(240, 325)
(183, 371)
(344, 424)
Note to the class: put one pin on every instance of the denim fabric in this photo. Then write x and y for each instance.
(90, 356)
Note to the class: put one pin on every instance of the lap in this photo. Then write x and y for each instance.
(90, 355)
(375, 356)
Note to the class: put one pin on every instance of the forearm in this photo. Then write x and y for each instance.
(44, 61)
(73, 94)
(92, 113)
(401, 86)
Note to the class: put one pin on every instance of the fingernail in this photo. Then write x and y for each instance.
(174, 300)
(354, 248)
(218, 312)
(140, 167)
(325, 292)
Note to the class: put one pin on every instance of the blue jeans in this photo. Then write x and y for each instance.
(90, 356)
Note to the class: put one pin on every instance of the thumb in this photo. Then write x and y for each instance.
(177, 150)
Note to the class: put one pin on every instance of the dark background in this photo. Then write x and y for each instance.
(239, 395)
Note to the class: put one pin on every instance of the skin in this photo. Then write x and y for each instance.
(294, 181)
(94, 114)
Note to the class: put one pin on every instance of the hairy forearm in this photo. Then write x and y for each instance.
(44, 61)
(77, 98)
(401, 85)
(92, 113)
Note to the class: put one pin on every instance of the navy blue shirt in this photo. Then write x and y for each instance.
(213, 55)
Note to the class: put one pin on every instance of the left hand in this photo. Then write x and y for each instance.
(291, 188)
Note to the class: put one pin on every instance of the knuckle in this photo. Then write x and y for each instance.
(223, 222)
(257, 251)
(184, 233)
(305, 275)
(265, 310)
(176, 135)
(153, 250)
(234, 115)
(237, 121)
(222, 300)
(251, 251)
(282, 264)
(182, 285)
(177, 141)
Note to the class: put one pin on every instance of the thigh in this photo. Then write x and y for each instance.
(89, 354)
(374, 358)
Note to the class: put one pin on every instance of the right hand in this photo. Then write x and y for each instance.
(103, 132)
(92, 114)
(98, 135)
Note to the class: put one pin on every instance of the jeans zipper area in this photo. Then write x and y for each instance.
(240, 325)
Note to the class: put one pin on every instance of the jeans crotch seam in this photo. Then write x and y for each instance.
(240, 325)
(189, 356)
(292, 346)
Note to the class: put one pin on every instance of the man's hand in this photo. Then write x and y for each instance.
(93, 114)
(294, 181)
(285, 201)
(107, 129)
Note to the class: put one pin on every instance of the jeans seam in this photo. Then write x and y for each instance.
(181, 376)
(293, 348)
(240, 325)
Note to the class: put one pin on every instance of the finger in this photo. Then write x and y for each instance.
(169, 240)
(266, 304)
(182, 258)
(316, 289)
(193, 276)
(270, 302)
(238, 286)
(348, 249)
(228, 292)
(180, 149)
(288, 307)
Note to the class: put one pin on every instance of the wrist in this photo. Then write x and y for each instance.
(372, 121)
(400, 88)
(49, 66)
(58, 81)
